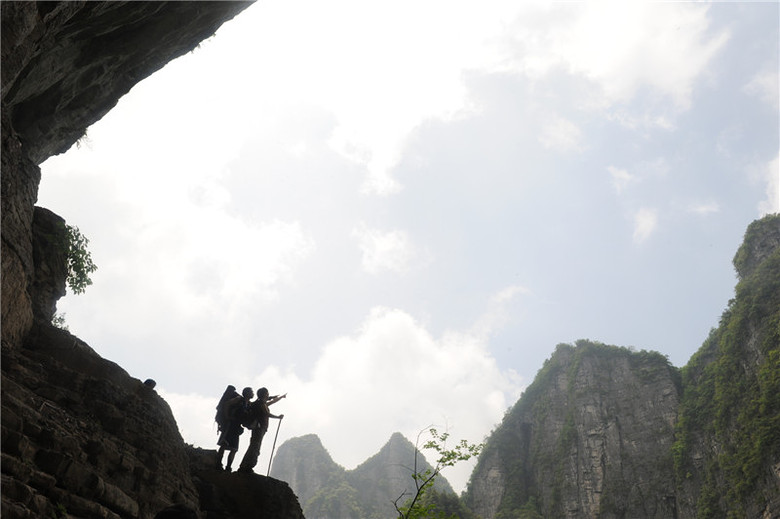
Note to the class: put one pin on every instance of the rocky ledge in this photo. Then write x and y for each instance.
(80, 437)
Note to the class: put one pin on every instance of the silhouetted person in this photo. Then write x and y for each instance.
(221, 416)
(258, 424)
(236, 411)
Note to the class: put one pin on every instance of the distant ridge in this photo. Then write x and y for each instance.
(328, 491)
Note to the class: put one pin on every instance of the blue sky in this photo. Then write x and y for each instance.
(394, 213)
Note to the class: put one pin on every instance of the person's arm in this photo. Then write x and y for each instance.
(278, 417)
(275, 399)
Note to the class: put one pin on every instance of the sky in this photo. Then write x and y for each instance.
(394, 212)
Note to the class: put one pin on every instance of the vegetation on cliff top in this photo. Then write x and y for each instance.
(727, 403)
(521, 498)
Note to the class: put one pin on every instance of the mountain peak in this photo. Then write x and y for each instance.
(369, 490)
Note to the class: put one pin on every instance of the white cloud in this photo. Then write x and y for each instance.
(645, 223)
(380, 87)
(771, 204)
(764, 85)
(620, 178)
(497, 312)
(728, 140)
(390, 375)
(178, 240)
(560, 134)
(704, 208)
(386, 250)
(637, 119)
(624, 46)
(347, 57)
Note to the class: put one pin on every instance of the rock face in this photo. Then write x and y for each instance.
(607, 432)
(229, 495)
(307, 466)
(762, 239)
(79, 434)
(727, 452)
(591, 437)
(328, 491)
(65, 64)
(80, 437)
(50, 261)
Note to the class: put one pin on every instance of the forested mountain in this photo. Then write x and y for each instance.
(727, 449)
(328, 491)
(609, 432)
(592, 436)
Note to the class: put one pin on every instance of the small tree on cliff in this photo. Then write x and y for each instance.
(79, 260)
(417, 507)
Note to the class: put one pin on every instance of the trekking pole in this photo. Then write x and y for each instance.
(273, 448)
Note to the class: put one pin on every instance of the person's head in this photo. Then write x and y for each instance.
(262, 393)
(247, 392)
(230, 388)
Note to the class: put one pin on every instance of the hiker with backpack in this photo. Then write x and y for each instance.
(257, 422)
(221, 418)
(232, 411)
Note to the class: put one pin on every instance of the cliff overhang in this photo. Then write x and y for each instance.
(79, 435)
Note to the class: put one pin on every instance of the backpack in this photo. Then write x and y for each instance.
(222, 417)
(249, 416)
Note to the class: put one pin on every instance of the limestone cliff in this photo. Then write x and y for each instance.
(328, 491)
(64, 66)
(591, 437)
(727, 450)
(80, 437)
(608, 432)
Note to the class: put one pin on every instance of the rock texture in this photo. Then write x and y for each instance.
(591, 437)
(50, 249)
(64, 65)
(225, 495)
(727, 452)
(611, 433)
(306, 465)
(80, 437)
(328, 491)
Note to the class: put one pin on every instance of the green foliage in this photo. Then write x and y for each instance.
(707, 506)
(753, 235)
(59, 512)
(530, 510)
(58, 320)
(335, 501)
(522, 454)
(444, 505)
(84, 140)
(80, 264)
(421, 505)
(735, 405)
